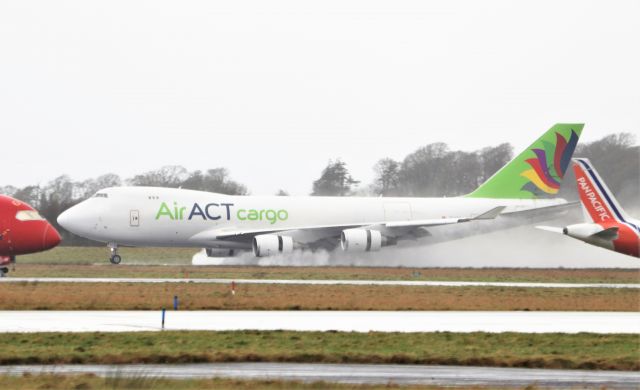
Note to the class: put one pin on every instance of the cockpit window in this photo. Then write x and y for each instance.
(101, 195)
(28, 215)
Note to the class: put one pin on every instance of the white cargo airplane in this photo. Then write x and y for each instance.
(150, 216)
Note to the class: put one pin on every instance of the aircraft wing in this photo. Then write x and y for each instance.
(312, 234)
(551, 229)
(541, 211)
(491, 214)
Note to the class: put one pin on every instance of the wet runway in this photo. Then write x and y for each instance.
(357, 374)
(325, 282)
(347, 321)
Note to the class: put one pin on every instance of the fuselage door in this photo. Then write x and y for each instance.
(134, 218)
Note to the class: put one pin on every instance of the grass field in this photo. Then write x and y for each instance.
(152, 296)
(175, 263)
(572, 351)
(92, 255)
(91, 382)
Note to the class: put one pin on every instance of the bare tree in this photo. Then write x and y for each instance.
(387, 177)
(494, 158)
(214, 180)
(335, 180)
(8, 190)
(30, 195)
(420, 173)
(167, 176)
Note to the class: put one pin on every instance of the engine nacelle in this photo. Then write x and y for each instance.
(582, 231)
(360, 240)
(271, 244)
(591, 233)
(219, 252)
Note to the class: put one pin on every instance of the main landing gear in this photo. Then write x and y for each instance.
(115, 257)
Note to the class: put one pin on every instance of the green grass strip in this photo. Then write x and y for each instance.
(92, 382)
(573, 351)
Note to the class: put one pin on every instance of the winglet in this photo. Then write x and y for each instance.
(608, 233)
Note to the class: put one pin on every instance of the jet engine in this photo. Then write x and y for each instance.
(219, 252)
(271, 244)
(593, 234)
(360, 240)
(582, 231)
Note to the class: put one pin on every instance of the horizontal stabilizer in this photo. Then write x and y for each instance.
(608, 233)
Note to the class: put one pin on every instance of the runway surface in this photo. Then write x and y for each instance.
(347, 321)
(356, 374)
(324, 282)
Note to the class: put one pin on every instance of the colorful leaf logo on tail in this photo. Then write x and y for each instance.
(549, 165)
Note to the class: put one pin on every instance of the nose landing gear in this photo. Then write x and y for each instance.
(115, 257)
(5, 261)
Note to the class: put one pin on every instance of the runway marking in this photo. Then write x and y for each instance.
(343, 321)
(353, 373)
(325, 282)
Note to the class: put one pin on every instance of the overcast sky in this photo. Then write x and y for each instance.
(273, 89)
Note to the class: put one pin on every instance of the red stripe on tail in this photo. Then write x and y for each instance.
(561, 145)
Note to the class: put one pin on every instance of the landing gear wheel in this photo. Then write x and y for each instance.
(3, 272)
(115, 259)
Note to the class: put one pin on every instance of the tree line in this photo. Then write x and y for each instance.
(432, 170)
(435, 170)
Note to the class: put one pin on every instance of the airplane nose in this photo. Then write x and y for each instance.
(64, 219)
(51, 237)
(79, 219)
(72, 219)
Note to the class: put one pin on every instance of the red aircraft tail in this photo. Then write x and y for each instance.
(597, 200)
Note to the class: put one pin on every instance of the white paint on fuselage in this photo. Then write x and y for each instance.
(107, 219)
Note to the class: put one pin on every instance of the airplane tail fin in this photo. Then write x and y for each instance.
(597, 200)
(538, 171)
